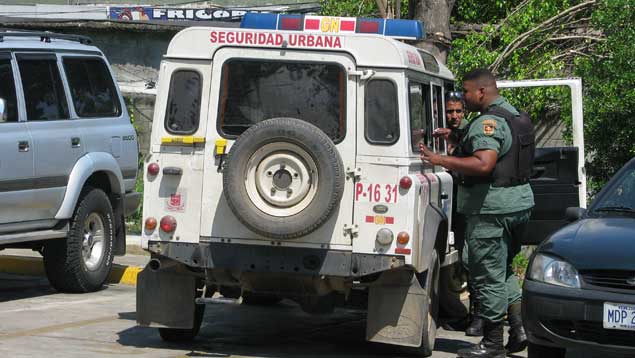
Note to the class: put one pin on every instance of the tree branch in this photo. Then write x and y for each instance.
(518, 41)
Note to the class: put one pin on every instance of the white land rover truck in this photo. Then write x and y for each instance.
(284, 164)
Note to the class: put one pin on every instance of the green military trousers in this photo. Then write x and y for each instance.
(493, 240)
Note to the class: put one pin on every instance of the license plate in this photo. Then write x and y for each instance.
(619, 316)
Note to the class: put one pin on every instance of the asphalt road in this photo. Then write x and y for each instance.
(36, 321)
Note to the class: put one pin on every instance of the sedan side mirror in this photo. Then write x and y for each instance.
(572, 214)
(3, 110)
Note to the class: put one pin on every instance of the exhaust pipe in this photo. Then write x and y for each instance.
(158, 264)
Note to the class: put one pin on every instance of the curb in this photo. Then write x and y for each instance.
(33, 266)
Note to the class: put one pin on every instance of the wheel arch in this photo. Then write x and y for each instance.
(101, 170)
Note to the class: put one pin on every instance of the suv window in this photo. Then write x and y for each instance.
(43, 90)
(183, 111)
(91, 86)
(420, 116)
(381, 112)
(253, 91)
(7, 91)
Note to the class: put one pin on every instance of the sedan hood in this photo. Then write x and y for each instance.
(595, 244)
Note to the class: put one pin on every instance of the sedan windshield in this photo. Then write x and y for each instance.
(621, 195)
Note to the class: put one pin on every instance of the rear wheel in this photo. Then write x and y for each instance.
(184, 335)
(538, 351)
(188, 334)
(82, 261)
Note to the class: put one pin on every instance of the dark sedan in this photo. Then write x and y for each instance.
(580, 286)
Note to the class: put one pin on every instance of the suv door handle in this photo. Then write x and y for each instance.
(23, 146)
(75, 142)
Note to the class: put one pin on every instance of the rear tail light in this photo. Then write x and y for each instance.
(153, 169)
(403, 238)
(405, 183)
(151, 224)
(168, 224)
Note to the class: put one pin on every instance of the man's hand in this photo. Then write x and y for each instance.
(442, 132)
(429, 157)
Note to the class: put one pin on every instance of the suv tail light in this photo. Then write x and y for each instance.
(151, 224)
(405, 183)
(168, 223)
(153, 169)
(403, 238)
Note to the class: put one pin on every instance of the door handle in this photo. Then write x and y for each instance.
(23, 146)
(75, 142)
(444, 196)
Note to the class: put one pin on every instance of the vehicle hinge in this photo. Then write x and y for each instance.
(363, 75)
(353, 173)
(351, 230)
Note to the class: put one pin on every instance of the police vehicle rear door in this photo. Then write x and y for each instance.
(559, 179)
(255, 84)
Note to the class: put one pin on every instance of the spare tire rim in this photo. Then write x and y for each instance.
(93, 238)
(281, 179)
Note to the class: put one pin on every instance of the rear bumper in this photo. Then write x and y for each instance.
(572, 318)
(275, 259)
(131, 202)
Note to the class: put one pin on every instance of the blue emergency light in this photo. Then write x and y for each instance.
(396, 28)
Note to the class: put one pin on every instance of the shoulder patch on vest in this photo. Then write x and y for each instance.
(489, 127)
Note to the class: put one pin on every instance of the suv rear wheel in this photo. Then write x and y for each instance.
(82, 261)
(184, 335)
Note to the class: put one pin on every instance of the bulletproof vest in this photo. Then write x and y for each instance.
(514, 167)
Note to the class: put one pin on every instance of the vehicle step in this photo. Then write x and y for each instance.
(33, 236)
(219, 300)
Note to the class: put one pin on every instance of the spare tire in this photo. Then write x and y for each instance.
(283, 178)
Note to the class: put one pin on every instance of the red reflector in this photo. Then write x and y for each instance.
(347, 26)
(402, 251)
(290, 23)
(370, 27)
(390, 220)
(370, 219)
(153, 169)
(405, 183)
(168, 223)
(312, 24)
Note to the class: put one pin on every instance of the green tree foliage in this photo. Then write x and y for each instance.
(476, 12)
(609, 87)
(350, 8)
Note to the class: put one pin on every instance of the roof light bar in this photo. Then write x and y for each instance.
(395, 28)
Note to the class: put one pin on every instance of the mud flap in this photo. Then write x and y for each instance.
(396, 305)
(163, 296)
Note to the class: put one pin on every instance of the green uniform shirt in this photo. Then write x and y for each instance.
(492, 132)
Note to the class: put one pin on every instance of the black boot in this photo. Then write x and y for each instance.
(517, 336)
(491, 346)
(475, 326)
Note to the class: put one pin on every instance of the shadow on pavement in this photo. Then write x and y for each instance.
(16, 287)
(281, 331)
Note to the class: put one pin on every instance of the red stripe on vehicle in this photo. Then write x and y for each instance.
(370, 219)
(312, 24)
(404, 251)
(390, 220)
(347, 26)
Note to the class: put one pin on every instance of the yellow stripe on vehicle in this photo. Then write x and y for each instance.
(190, 140)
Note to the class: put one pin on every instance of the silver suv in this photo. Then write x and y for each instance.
(68, 157)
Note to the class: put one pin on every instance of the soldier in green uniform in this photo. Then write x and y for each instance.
(496, 199)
